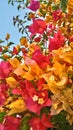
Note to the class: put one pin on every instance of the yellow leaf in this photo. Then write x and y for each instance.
(17, 106)
(28, 76)
(20, 70)
(70, 2)
(14, 62)
(62, 82)
(71, 25)
(7, 36)
(11, 82)
(58, 69)
(24, 41)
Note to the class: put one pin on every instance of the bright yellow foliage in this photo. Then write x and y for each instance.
(17, 106)
(11, 82)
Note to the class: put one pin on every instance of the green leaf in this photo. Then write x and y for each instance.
(60, 121)
(24, 123)
(2, 114)
(25, 127)
(10, 43)
(9, 1)
(27, 2)
(12, 3)
(2, 58)
(25, 120)
(44, 110)
(4, 51)
(63, 5)
(20, 29)
(55, 7)
(18, 7)
(20, 0)
(14, 22)
(1, 41)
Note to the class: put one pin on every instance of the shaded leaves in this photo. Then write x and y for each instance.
(63, 5)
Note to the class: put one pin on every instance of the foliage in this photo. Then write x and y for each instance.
(36, 75)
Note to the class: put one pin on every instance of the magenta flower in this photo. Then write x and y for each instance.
(3, 95)
(16, 91)
(50, 28)
(34, 5)
(42, 60)
(71, 39)
(11, 123)
(1, 126)
(57, 15)
(41, 124)
(38, 26)
(5, 69)
(57, 41)
(37, 101)
(40, 83)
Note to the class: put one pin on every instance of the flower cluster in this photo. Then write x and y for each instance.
(36, 76)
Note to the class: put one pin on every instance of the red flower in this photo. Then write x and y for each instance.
(38, 26)
(15, 51)
(71, 39)
(27, 89)
(40, 83)
(1, 126)
(24, 51)
(2, 99)
(41, 59)
(35, 100)
(57, 15)
(1, 49)
(37, 39)
(5, 69)
(41, 124)
(16, 91)
(34, 5)
(11, 123)
(57, 41)
(50, 28)
(38, 100)
(3, 94)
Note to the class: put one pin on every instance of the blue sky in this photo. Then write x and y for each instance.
(6, 21)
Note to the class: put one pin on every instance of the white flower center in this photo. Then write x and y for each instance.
(51, 78)
(35, 98)
(40, 101)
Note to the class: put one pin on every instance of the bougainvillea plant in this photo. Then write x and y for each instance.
(36, 75)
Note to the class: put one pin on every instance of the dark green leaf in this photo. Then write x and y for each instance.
(61, 122)
(12, 3)
(18, 7)
(1, 41)
(63, 5)
(4, 51)
(14, 22)
(18, 25)
(55, 7)
(20, 29)
(27, 2)
(9, 1)
(2, 114)
(10, 43)
(2, 58)
(25, 120)
(17, 17)
(24, 123)
(44, 110)
(20, 0)
(25, 127)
